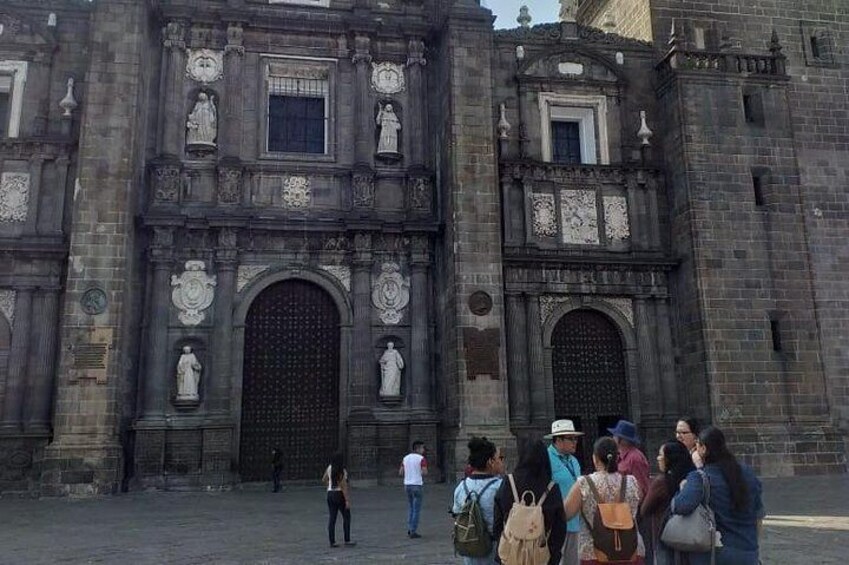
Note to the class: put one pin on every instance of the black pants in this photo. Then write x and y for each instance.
(275, 478)
(336, 503)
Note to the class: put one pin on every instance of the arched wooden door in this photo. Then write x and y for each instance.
(590, 381)
(290, 383)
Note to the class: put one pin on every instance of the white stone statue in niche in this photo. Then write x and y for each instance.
(389, 128)
(188, 375)
(202, 125)
(391, 364)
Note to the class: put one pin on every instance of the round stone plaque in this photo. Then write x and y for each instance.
(480, 303)
(93, 301)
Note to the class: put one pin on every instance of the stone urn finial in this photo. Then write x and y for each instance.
(68, 103)
(503, 125)
(524, 17)
(644, 132)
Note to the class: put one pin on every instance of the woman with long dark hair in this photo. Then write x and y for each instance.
(735, 498)
(687, 432)
(533, 473)
(675, 464)
(338, 498)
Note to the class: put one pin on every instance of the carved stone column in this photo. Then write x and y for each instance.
(636, 217)
(363, 132)
(40, 394)
(230, 132)
(419, 348)
(517, 359)
(172, 75)
(666, 362)
(536, 378)
(415, 62)
(53, 224)
(218, 384)
(36, 165)
(18, 357)
(157, 372)
(364, 385)
(649, 382)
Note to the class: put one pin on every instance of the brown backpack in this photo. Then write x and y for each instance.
(613, 529)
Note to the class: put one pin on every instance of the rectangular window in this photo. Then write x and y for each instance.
(4, 113)
(816, 53)
(757, 185)
(753, 108)
(297, 115)
(775, 330)
(566, 142)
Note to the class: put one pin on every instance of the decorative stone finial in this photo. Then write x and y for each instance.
(520, 52)
(68, 103)
(524, 17)
(774, 45)
(568, 10)
(503, 125)
(51, 19)
(644, 132)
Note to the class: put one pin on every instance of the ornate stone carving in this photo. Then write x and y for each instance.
(246, 273)
(7, 304)
(296, 192)
(623, 305)
(390, 293)
(229, 185)
(93, 301)
(335, 243)
(68, 103)
(173, 34)
(193, 292)
(415, 53)
(552, 33)
(202, 123)
(616, 224)
(362, 189)
(163, 237)
(480, 303)
(580, 217)
(362, 44)
(235, 39)
(387, 78)
(547, 305)
(391, 365)
(205, 65)
(544, 215)
(341, 273)
(188, 376)
(167, 182)
(503, 126)
(14, 197)
(420, 193)
(362, 242)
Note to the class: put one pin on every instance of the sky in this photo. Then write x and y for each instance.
(542, 11)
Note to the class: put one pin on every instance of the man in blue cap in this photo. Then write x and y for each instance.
(565, 471)
(631, 459)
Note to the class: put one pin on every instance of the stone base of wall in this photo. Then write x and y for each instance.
(21, 458)
(82, 470)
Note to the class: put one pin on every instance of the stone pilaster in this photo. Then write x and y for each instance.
(230, 131)
(40, 394)
(666, 362)
(13, 401)
(155, 380)
(36, 166)
(415, 62)
(419, 318)
(517, 360)
(226, 261)
(172, 114)
(650, 393)
(536, 363)
(363, 133)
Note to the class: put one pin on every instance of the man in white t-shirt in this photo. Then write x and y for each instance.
(413, 468)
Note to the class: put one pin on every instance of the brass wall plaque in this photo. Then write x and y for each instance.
(481, 348)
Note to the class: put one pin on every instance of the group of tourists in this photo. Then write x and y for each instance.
(704, 507)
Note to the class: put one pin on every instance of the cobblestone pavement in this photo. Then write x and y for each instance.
(808, 524)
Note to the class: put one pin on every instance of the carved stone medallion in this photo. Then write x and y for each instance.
(616, 219)
(193, 292)
(296, 192)
(580, 217)
(93, 301)
(387, 78)
(205, 65)
(544, 215)
(14, 197)
(390, 293)
(7, 304)
(480, 303)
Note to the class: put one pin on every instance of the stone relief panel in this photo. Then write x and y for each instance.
(544, 215)
(420, 191)
(7, 304)
(548, 303)
(341, 273)
(616, 224)
(14, 197)
(624, 305)
(167, 183)
(296, 192)
(362, 187)
(193, 292)
(390, 293)
(580, 217)
(205, 65)
(387, 78)
(246, 273)
(229, 185)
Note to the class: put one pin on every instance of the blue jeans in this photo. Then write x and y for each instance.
(414, 501)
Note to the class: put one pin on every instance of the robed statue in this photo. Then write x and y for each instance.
(188, 375)
(387, 144)
(202, 125)
(391, 364)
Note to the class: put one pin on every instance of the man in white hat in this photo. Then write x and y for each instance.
(565, 471)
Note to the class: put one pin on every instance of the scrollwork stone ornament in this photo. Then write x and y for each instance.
(205, 65)
(341, 273)
(167, 183)
(616, 224)
(580, 217)
(387, 78)
(544, 215)
(296, 192)
(194, 291)
(247, 273)
(14, 197)
(229, 185)
(420, 193)
(390, 293)
(362, 189)
(7, 304)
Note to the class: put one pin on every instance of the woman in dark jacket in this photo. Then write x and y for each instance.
(735, 498)
(533, 473)
(675, 463)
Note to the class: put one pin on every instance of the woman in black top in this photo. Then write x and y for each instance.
(534, 474)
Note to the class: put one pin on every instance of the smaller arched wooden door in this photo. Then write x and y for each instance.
(589, 373)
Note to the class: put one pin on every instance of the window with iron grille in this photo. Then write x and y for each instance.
(5, 103)
(566, 142)
(297, 115)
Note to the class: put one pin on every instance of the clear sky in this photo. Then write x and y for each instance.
(542, 11)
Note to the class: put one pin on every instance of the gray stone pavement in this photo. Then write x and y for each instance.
(808, 523)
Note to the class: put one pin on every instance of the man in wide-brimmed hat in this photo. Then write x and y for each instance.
(631, 459)
(565, 470)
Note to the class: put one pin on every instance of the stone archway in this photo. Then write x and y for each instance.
(290, 381)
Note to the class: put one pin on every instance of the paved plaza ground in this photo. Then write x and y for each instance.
(808, 524)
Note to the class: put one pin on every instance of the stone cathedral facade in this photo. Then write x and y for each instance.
(318, 225)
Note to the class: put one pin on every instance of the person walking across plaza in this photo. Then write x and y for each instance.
(338, 499)
(565, 470)
(414, 468)
(487, 467)
(734, 495)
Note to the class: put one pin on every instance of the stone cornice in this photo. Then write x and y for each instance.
(527, 257)
(587, 174)
(24, 148)
(552, 33)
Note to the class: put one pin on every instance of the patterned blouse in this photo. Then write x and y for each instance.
(608, 485)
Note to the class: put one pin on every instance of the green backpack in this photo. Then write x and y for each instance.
(471, 535)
